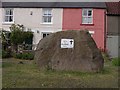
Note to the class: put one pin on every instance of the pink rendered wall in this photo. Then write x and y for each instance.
(72, 20)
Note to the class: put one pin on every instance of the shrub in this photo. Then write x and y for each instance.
(19, 56)
(27, 56)
(5, 54)
(116, 61)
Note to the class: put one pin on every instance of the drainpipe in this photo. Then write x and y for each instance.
(105, 29)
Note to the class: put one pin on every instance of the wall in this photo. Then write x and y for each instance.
(72, 20)
(34, 22)
(113, 36)
(112, 24)
(113, 46)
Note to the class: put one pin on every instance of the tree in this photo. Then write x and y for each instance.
(5, 39)
(18, 36)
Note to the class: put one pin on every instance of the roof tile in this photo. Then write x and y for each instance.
(113, 8)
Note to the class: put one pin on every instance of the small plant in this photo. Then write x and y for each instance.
(106, 56)
(26, 56)
(19, 55)
(116, 61)
(5, 54)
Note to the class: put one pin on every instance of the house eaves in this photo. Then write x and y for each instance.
(101, 5)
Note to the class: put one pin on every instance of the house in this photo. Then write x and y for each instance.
(44, 18)
(87, 16)
(113, 29)
(39, 17)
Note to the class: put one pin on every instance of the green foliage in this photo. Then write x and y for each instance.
(26, 56)
(5, 39)
(116, 61)
(5, 54)
(28, 35)
(105, 56)
(17, 34)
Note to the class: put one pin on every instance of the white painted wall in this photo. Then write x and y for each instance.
(34, 22)
(113, 46)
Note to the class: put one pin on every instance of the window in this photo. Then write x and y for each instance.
(44, 34)
(47, 16)
(8, 15)
(87, 16)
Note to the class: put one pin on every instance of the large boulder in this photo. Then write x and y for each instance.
(53, 52)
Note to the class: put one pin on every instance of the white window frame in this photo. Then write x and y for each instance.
(45, 33)
(83, 16)
(8, 22)
(47, 15)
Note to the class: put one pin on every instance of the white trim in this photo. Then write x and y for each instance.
(47, 23)
(7, 23)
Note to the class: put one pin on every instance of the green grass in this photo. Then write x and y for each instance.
(116, 61)
(28, 75)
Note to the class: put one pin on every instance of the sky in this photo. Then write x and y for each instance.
(59, 0)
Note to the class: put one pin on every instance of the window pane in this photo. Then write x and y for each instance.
(10, 18)
(6, 18)
(11, 12)
(89, 13)
(84, 20)
(45, 12)
(49, 12)
(7, 12)
(44, 19)
(49, 19)
(89, 20)
(84, 12)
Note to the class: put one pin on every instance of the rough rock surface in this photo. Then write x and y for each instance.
(84, 57)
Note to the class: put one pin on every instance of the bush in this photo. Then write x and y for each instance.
(116, 61)
(18, 56)
(5, 54)
(27, 56)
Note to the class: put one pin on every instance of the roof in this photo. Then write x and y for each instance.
(113, 8)
(53, 5)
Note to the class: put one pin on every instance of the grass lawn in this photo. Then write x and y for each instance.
(28, 75)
